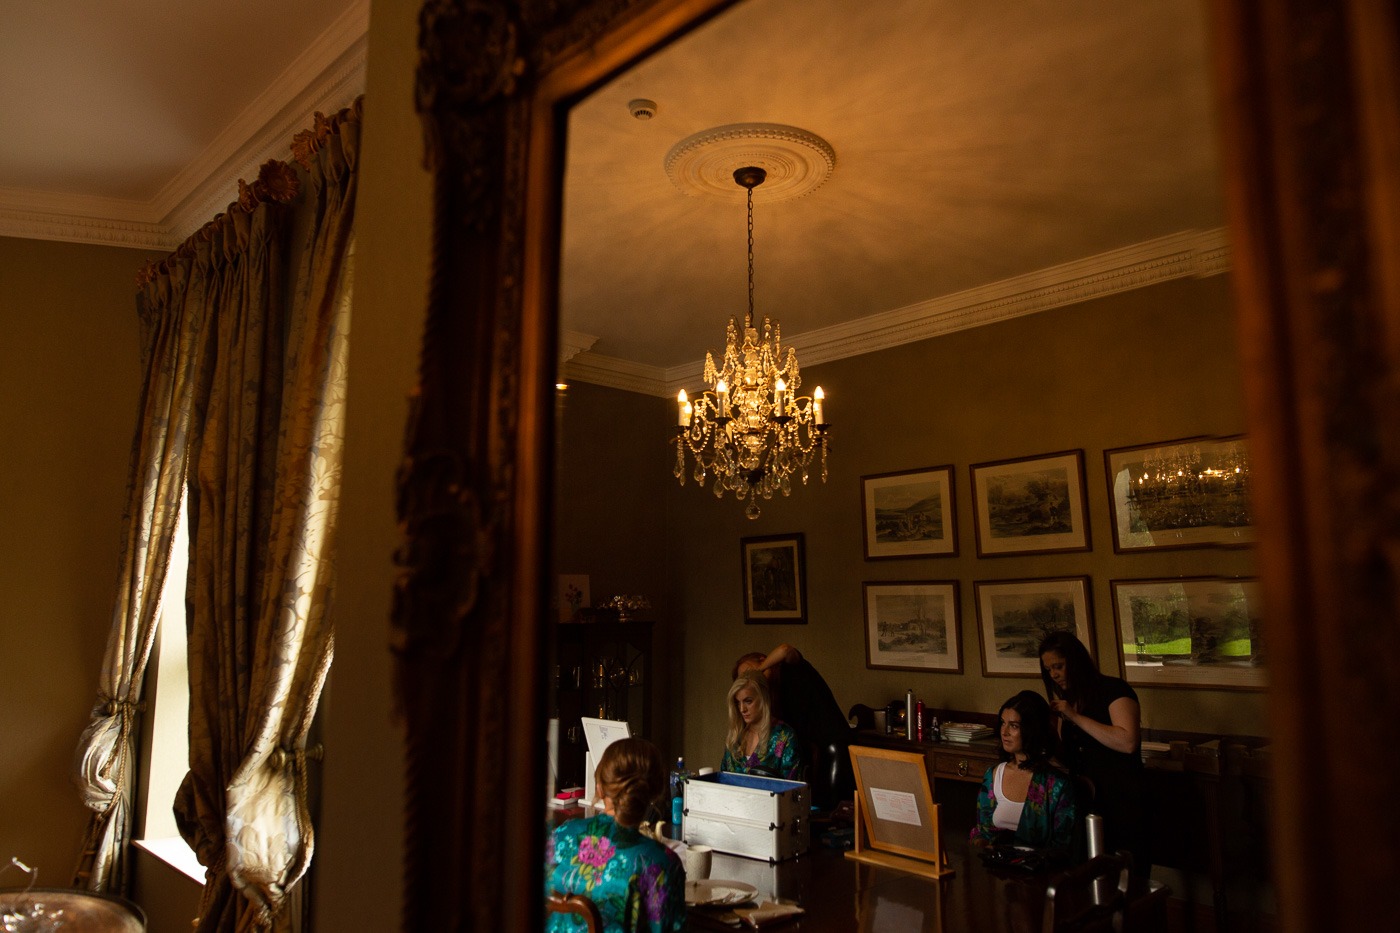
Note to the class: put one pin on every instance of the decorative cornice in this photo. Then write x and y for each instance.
(618, 374)
(329, 75)
(1190, 254)
(572, 343)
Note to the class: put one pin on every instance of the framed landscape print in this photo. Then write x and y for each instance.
(1029, 506)
(1190, 632)
(1014, 616)
(1187, 493)
(909, 514)
(913, 626)
(775, 579)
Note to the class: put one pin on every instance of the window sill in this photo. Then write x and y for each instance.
(176, 853)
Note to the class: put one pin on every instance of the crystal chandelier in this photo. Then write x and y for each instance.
(750, 430)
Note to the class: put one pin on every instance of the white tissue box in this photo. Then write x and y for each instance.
(743, 814)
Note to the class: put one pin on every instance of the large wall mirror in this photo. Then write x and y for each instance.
(1021, 251)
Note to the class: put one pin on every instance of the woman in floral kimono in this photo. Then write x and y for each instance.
(637, 883)
(1027, 799)
(757, 743)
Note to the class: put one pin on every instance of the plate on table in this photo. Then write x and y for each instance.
(711, 892)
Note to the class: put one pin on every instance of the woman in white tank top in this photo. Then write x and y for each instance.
(1026, 799)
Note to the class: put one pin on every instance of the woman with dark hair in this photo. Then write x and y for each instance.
(1026, 799)
(636, 883)
(756, 742)
(1100, 727)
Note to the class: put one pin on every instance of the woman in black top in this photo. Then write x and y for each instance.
(1100, 727)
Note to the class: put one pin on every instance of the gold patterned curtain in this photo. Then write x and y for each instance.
(263, 517)
(178, 301)
(242, 410)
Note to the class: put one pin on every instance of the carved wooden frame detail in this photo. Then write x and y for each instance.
(1310, 93)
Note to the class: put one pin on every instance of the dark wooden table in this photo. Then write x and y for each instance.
(839, 894)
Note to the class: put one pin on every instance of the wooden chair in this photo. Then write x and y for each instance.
(1144, 908)
(579, 906)
(1070, 902)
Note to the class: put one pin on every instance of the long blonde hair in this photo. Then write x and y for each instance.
(734, 741)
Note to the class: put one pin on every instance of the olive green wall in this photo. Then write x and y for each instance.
(612, 478)
(70, 376)
(358, 870)
(1149, 365)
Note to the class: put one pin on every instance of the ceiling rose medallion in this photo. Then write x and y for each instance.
(749, 430)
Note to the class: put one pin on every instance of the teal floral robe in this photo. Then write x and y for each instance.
(637, 883)
(779, 758)
(1048, 820)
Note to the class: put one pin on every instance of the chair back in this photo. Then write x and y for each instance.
(1087, 897)
(579, 906)
(1145, 909)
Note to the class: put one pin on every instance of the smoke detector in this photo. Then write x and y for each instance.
(641, 108)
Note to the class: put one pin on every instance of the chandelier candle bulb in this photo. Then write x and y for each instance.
(683, 418)
(817, 414)
(778, 389)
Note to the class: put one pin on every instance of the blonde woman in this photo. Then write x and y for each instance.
(757, 743)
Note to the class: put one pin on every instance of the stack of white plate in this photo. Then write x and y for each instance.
(965, 731)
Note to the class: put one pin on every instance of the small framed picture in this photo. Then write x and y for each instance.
(913, 626)
(909, 514)
(1014, 616)
(775, 579)
(1030, 506)
(1180, 494)
(572, 596)
(1190, 632)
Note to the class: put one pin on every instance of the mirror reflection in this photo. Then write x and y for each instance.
(1007, 271)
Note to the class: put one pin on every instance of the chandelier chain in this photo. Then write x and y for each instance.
(748, 322)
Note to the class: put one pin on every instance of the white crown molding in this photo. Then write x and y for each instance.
(329, 75)
(572, 343)
(596, 369)
(1189, 254)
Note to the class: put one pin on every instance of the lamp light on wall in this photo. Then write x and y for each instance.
(750, 431)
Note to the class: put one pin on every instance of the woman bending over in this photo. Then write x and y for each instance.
(1100, 727)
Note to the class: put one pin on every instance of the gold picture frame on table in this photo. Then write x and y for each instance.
(896, 818)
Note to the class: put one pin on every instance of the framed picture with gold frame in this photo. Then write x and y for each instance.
(1013, 616)
(1180, 494)
(1034, 505)
(909, 514)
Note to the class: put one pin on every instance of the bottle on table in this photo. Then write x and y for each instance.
(678, 778)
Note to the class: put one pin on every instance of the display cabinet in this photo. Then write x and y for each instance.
(601, 670)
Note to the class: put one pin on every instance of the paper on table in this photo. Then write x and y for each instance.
(895, 806)
(768, 913)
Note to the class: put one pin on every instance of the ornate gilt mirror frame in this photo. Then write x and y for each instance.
(1309, 104)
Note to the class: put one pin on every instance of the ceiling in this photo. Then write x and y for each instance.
(130, 123)
(991, 160)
